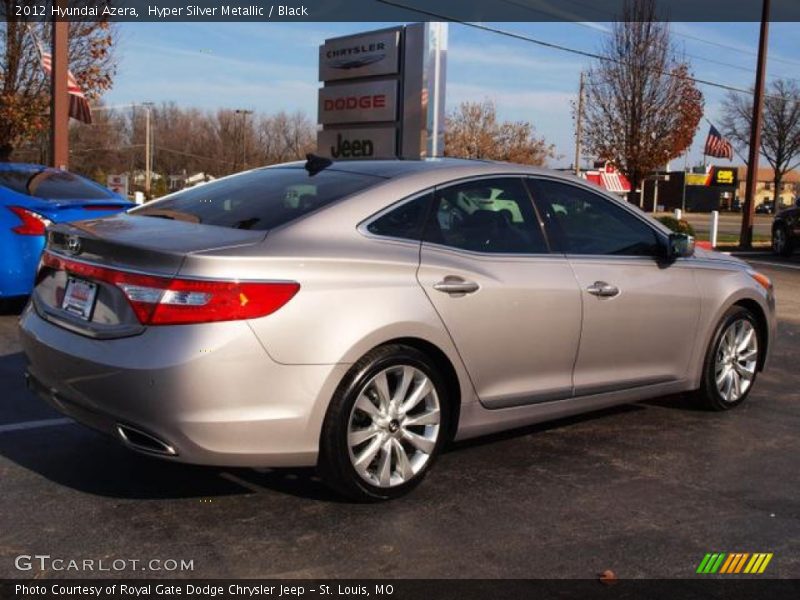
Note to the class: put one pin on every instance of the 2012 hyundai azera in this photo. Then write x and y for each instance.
(358, 315)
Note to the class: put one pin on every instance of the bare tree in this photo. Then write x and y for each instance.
(642, 109)
(780, 134)
(473, 131)
(24, 88)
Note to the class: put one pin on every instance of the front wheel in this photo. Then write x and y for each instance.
(731, 362)
(385, 425)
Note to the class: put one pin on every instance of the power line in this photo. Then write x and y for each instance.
(684, 35)
(554, 46)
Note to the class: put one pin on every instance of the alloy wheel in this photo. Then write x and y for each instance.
(778, 240)
(737, 355)
(394, 426)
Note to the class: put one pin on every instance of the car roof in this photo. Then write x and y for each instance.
(395, 168)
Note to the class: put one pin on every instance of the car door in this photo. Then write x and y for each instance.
(640, 312)
(513, 309)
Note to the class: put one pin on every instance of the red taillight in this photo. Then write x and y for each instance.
(164, 301)
(32, 223)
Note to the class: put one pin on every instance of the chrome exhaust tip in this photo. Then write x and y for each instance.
(144, 442)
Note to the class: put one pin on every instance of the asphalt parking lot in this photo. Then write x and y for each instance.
(644, 490)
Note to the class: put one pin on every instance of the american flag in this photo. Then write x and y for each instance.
(78, 104)
(718, 146)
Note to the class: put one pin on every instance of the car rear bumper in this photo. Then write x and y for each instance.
(202, 394)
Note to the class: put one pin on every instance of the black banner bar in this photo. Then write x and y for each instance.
(404, 589)
(387, 10)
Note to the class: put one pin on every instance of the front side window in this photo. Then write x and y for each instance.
(579, 221)
(487, 215)
(260, 199)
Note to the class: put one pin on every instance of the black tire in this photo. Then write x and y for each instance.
(709, 396)
(335, 465)
(786, 247)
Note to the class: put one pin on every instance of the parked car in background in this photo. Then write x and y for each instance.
(31, 197)
(786, 230)
(765, 208)
(358, 315)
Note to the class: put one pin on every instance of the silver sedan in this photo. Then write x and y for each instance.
(357, 316)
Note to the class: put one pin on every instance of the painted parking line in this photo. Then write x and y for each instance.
(34, 424)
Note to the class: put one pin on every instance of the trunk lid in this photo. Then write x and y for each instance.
(146, 245)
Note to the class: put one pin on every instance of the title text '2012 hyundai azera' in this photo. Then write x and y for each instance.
(358, 315)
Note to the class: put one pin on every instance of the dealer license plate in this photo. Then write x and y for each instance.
(79, 297)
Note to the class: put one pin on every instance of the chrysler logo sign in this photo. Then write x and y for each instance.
(356, 57)
(353, 56)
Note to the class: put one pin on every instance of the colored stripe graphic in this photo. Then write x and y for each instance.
(734, 563)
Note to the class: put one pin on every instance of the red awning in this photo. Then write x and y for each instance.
(609, 180)
(615, 182)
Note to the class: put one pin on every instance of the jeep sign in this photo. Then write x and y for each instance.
(358, 103)
(354, 56)
(357, 143)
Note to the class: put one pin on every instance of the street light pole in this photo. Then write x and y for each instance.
(748, 211)
(579, 127)
(147, 153)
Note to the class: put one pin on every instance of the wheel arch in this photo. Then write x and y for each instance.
(761, 321)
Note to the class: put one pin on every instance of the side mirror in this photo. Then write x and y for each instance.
(679, 245)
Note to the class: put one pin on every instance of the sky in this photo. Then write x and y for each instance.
(267, 67)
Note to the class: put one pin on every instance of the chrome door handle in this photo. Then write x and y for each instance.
(456, 285)
(603, 289)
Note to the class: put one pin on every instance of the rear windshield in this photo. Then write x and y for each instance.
(52, 184)
(258, 200)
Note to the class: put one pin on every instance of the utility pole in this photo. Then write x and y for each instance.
(243, 126)
(59, 103)
(148, 157)
(748, 212)
(579, 127)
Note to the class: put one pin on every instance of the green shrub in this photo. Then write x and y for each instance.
(682, 226)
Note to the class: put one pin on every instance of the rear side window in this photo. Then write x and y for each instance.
(405, 221)
(52, 184)
(488, 215)
(260, 199)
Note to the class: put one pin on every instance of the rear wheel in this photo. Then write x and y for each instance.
(731, 362)
(782, 244)
(385, 425)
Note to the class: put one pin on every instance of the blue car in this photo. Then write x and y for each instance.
(32, 197)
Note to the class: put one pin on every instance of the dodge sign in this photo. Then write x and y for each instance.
(358, 103)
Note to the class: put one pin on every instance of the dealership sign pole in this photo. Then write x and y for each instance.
(383, 93)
